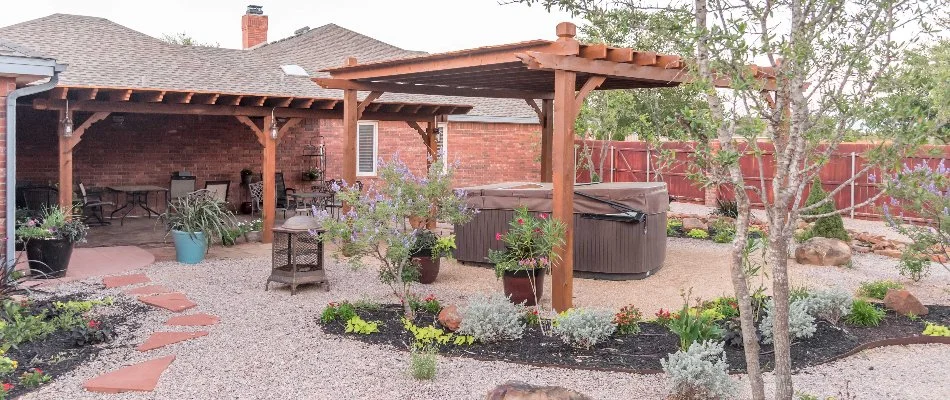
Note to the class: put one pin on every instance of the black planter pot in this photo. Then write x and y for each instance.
(246, 179)
(428, 265)
(48, 258)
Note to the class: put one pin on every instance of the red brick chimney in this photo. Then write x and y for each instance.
(253, 27)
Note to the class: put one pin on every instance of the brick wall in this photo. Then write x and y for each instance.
(146, 149)
(7, 85)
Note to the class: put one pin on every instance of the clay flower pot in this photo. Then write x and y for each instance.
(428, 265)
(517, 286)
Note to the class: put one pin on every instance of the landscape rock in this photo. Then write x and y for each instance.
(823, 251)
(694, 223)
(860, 248)
(514, 390)
(889, 253)
(450, 317)
(903, 302)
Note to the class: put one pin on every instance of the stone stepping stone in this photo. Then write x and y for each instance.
(161, 339)
(141, 377)
(124, 280)
(149, 290)
(200, 319)
(175, 302)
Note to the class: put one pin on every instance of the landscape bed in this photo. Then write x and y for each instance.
(642, 352)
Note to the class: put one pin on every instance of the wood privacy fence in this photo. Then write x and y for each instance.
(639, 162)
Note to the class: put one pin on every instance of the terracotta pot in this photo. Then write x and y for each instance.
(517, 286)
(48, 258)
(417, 222)
(428, 266)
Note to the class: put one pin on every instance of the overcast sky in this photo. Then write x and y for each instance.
(426, 25)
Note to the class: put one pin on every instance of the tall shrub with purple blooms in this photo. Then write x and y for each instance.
(375, 224)
(924, 191)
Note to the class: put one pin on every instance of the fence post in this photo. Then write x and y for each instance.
(648, 164)
(611, 149)
(853, 180)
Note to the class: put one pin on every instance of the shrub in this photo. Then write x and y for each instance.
(865, 314)
(429, 304)
(93, 332)
(34, 377)
(878, 289)
(829, 305)
(799, 292)
(342, 311)
(429, 338)
(698, 234)
(936, 330)
(674, 228)
(828, 227)
(724, 236)
(422, 364)
(725, 307)
(693, 326)
(628, 320)
(492, 317)
(584, 328)
(358, 325)
(700, 372)
(727, 208)
(800, 323)
(913, 267)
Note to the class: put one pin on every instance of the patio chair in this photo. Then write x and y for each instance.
(38, 198)
(92, 207)
(257, 196)
(180, 186)
(333, 203)
(283, 194)
(219, 189)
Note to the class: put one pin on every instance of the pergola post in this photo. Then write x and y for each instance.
(562, 144)
(350, 120)
(65, 163)
(268, 176)
(547, 131)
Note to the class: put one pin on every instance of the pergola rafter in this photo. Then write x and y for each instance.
(559, 73)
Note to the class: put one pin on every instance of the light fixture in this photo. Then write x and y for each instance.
(67, 123)
(274, 130)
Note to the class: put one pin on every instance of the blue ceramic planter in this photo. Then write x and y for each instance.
(190, 248)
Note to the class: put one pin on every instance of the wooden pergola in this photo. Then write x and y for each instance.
(559, 73)
(255, 111)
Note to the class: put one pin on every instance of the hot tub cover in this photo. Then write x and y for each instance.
(649, 197)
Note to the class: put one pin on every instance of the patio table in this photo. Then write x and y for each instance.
(136, 196)
(308, 199)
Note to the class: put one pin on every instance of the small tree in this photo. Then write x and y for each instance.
(376, 223)
(830, 224)
(924, 191)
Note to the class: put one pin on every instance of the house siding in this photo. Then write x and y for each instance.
(146, 149)
(7, 85)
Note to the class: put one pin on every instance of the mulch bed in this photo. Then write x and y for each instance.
(58, 354)
(642, 352)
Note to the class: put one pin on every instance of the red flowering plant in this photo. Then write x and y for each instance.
(429, 303)
(529, 243)
(34, 377)
(5, 390)
(628, 320)
(663, 316)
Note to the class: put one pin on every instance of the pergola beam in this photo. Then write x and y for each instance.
(333, 83)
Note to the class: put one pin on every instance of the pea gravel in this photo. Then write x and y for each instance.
(268, 346)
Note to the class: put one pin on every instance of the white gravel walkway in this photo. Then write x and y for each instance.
(268, 346)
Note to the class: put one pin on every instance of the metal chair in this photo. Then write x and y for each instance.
(181, 186)
(284, 200)
(39, 198)
(257, 194)
(92, 207)
(219, 190)
(333, 203)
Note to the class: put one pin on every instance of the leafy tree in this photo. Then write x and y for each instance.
(183, 39)
(826, 68)
(831, 224)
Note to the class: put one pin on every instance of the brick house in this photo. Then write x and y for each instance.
(148, 80)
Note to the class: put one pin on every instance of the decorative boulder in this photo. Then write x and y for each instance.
(694, 223)
(450, 318)
(514, 390)
(823, 251)
(903, 303)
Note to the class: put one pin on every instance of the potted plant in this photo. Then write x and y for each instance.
(311, 174)
(528, 253)
(246, 174)
(49, 241)
(193, 220)
(252, 230)
(427, 253)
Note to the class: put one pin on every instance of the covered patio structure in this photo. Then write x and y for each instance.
(559, 74)
(269, 117)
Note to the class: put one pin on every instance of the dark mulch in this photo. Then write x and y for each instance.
(641, 352)
(58, 354)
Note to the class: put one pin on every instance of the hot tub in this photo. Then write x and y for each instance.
(609, 241)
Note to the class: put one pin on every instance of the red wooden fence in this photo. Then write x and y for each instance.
(638, 162)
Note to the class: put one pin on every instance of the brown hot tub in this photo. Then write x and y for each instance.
(607, 244)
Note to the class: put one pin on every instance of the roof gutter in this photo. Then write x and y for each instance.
(11, 158)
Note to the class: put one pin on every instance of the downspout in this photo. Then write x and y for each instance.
(11, 158)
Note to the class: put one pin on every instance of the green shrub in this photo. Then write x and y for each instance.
(798, 293)
(698, 234)
(342, 311)
(727, 208)
(913, 267)
(674, 228)
(693, 326)
(584, 328)
(422, 364)
(358, 325)
(831, 226)
(878, 289)
(724, 236)
(936, 330)
(725, 307)
(429, 304)
(865, 314)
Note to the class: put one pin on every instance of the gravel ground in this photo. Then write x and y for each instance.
(268, 346)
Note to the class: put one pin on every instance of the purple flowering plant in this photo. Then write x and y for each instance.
(923, 190)
(376, 223)
(54, 223)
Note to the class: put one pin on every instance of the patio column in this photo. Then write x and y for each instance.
(268, 172)
(562, 157)
(65, 163)
(547, 133)
(350, 119)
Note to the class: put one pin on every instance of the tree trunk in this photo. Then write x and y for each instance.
(740, 283)
(778, 259)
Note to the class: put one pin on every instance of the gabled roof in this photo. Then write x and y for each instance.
(102, 53)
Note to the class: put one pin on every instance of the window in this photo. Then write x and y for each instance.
(443, 143)
(366, 141)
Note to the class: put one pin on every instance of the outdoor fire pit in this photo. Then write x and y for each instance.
(298, 254)
(619, 228)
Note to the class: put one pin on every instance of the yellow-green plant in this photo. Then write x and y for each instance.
(429, 338)
(357, 325)
(936, 330)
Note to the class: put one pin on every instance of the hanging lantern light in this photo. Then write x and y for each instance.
(67, 122)
(274, 129)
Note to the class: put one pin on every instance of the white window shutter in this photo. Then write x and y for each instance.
(366, 149)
